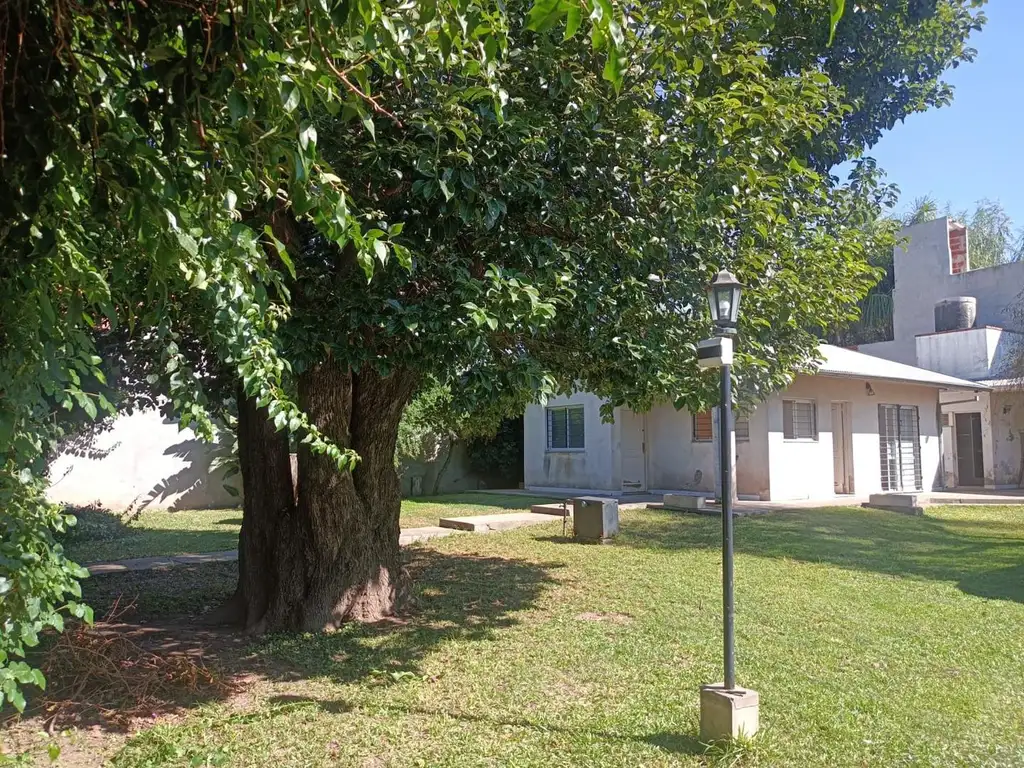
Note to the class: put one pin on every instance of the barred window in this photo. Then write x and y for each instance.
(799, 420)
(565, 428)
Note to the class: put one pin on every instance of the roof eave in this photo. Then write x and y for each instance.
(966, 386)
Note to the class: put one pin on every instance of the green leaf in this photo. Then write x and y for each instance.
(238, 106)
(613, 69)
(368, 125)
(307, 136)
(290, 95)
(572, 20)
(836, 7)
(545, 14)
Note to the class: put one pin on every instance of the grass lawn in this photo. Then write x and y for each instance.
(874, 639)
(104, 536)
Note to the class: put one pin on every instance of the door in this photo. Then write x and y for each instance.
(842, 448)
(970, 464)
(899, 445)
(633, 450)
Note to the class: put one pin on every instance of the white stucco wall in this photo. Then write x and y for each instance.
(675, 461)
(753, 471)
(142, 461)
(595, 467)
(1007, 413)
(976, 353)
(804, 469)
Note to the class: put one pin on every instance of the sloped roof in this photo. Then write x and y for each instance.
(847, 364)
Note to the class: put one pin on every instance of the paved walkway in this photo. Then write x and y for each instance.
(449, 526)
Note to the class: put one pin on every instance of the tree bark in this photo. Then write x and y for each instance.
(268, 500)
(333, 555)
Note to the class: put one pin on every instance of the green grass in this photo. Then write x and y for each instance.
(874, 640)
(103, 536)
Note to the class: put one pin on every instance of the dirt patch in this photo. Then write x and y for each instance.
(611, 618)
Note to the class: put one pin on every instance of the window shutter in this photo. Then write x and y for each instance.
(703, 429)
(787, 419)
(574, 425)
(557, 432)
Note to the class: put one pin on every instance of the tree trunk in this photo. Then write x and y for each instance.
(268, 500)
(334, 555)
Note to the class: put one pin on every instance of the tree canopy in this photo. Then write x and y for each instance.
(516, 199)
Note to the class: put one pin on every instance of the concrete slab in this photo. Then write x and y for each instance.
(550, 509)
(683, 501)
(488, 523)
(414, 535)
(904, 503)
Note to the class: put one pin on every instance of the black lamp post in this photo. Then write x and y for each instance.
(724, 298)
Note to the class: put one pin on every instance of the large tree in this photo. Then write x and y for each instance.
(163, 173)
(563, 242)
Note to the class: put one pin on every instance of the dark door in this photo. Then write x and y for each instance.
(970, 466)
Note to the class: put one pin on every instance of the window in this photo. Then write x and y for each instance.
(799, 420)
(899, 441)
(565, 428)
(703, 429)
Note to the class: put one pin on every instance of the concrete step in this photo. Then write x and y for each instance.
(487, 523)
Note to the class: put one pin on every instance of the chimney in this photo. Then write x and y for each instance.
(958, 261)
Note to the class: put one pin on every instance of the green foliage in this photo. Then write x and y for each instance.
(147, 149)
(34, 578)
(427, 425)
(886, 56)
(498, 458)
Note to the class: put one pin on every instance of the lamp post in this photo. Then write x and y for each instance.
(724, 298)
(726, 710)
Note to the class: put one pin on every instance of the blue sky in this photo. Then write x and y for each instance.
(974, 148)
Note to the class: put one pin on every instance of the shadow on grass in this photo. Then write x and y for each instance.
(984, 557)
(675, 743)
(454, 597)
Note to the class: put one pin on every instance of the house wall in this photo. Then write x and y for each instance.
(595, 467)
(753, 471)
(923, 270)
(674, 460)
(1007, 438)
(142, 461)
(804, 469)
(975, 353)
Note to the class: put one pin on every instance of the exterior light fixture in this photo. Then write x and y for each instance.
(724, 299)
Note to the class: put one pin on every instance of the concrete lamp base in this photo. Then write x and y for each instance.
(726, 714)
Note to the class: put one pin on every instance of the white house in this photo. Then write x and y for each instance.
(859, 425)
(983, 432)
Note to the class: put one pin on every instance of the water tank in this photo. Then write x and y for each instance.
(956, 314)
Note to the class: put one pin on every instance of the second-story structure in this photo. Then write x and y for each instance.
(963, 322)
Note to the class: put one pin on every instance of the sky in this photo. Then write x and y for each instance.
(974, 148)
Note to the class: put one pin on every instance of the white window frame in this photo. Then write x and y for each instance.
(814, 420)
(549, 413)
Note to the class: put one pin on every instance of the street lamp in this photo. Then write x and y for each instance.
(726, 710)
(724, 299)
